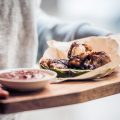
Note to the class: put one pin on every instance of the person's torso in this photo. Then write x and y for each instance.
(18, 39)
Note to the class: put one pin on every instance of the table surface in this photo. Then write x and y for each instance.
(61, 94)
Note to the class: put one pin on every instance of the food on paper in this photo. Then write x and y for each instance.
(81, 56)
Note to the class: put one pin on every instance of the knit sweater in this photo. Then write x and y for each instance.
(18, 38)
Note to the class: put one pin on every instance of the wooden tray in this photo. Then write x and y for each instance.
(66, 93)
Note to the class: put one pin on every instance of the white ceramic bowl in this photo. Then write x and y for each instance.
(28, 85)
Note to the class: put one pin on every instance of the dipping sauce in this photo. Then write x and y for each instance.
(23, 75)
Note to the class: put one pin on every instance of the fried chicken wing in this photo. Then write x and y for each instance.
(90, 61)
(75, 62)
(95, 60)
(54, 63)
(80, 56)
(77, 49)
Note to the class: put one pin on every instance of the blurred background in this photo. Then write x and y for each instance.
(101, 13)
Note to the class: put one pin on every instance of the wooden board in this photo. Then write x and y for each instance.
(66, 93)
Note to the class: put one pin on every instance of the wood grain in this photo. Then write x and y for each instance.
(61, 94)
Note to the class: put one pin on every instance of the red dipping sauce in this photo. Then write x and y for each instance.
(23, 75)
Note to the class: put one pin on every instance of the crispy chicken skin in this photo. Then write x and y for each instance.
(54, 63)
(80, 56)
(76, 49)
(95, 60)
(76, 61)
(91, 61)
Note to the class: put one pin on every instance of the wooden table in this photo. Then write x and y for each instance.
(66, 93)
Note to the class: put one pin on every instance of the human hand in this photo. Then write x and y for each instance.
(3, 93)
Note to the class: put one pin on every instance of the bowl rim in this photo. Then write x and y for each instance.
(50, 72)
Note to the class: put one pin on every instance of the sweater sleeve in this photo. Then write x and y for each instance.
(52, 28)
